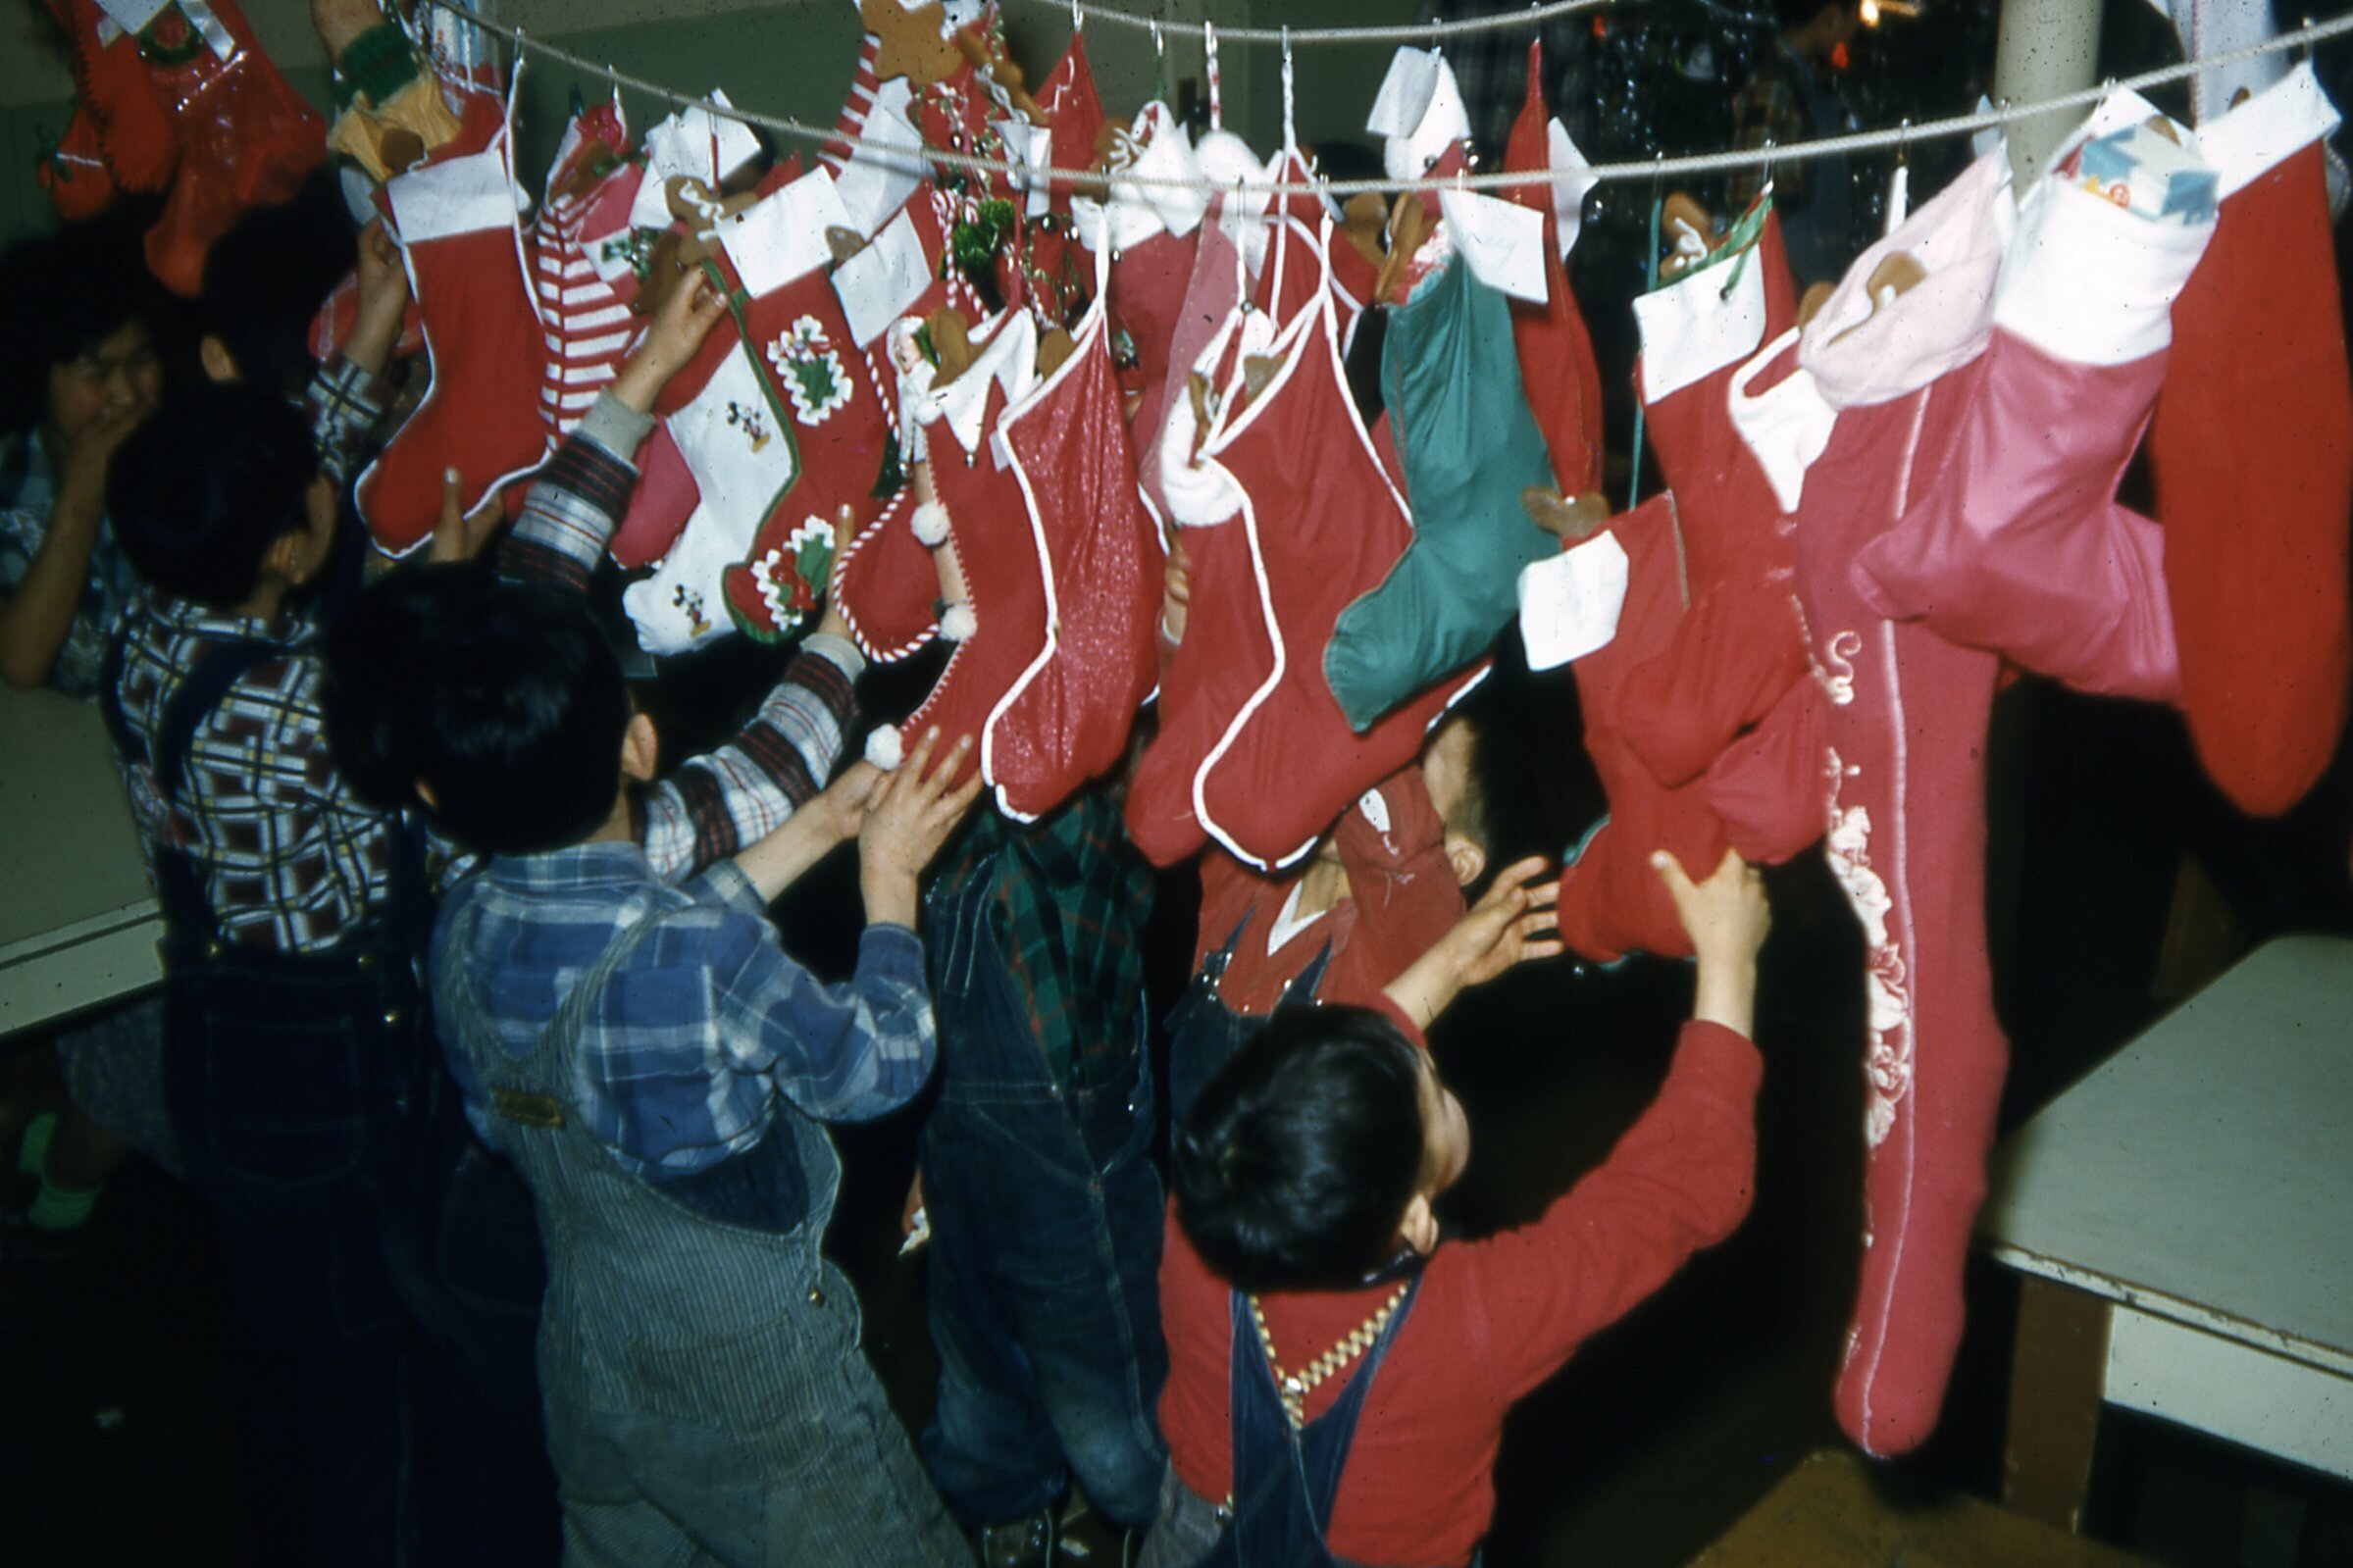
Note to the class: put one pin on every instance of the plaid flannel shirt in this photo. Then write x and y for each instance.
(698, 1032)
(344, 404)
(291, 861)
(718, 803)
(1069, 902)
(27, 491)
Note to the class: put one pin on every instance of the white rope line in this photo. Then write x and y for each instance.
(895, 155)
(1394, 32)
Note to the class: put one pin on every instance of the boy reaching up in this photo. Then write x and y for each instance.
(660, 1070)
(1338, 1373)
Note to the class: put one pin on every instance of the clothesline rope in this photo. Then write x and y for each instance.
(1387, 32)
(1662, 167)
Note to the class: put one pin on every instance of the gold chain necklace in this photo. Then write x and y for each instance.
(1293, 1387)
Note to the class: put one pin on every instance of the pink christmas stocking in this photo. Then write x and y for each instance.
(455, 219)
(1611, 901)
(2255, 520)
(2023, 551)
(1905, 796)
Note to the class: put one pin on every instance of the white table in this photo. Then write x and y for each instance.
(2184, 1217)
(78, 921)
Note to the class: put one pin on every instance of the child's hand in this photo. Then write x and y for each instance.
(685, 320)
(457, 536)
(1726, 918)
(1176, 593)
(907, 820)
(1508, 927)
(382, 299)
(89, 452)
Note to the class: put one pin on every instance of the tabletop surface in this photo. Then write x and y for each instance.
(68, 854)
(2205, 1172)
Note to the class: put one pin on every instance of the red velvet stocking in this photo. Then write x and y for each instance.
(2253, 453)
(1611, 901)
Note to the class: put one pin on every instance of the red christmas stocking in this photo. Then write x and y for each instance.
(1904, 776)
(1741, 646)
(123, 121)
(1611, 901)
(76, 175)
(245, 138)
(1324, 524)
(2254, 523)
(455, 219)
(990, 567)
(783, 435)
(1556, 367)
(585, 298)
(1067, 719)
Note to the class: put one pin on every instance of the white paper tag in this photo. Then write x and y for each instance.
(1501, 240)
(782, 236)
(878, 180)
(1569, 605)
(881, 283)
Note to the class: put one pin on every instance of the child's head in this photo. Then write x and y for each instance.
(1450, 772)
(220, 493)
(500, 705)
(1312, 1155)
(265, 279)
(76, 336)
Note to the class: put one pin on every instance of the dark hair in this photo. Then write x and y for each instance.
(503, 698)
(199, 493)
(68, 292)
(1293, 1168)
(265, 279)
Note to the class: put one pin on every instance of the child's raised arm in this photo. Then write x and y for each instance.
(1508, 927)
(1726, 918)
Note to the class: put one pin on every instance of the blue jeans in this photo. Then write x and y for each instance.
(1043, 1272)
(350, 1202)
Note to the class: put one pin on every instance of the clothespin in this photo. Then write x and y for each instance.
(1078, 18)
(1290, 121)
(1209, 50)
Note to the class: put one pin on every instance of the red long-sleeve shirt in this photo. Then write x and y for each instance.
(1493, 1319)
(1403, 897)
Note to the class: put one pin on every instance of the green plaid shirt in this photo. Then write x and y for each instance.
(1071, 899)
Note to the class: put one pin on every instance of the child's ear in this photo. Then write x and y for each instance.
(220, 365)
(1467, 859)
(1420, 1226)
(423, 792)
(640, 751)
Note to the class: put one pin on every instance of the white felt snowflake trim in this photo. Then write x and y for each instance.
(811, 372)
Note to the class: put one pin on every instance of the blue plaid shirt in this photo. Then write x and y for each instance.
(706, 1023)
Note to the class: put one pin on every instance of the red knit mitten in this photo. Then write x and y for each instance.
(2255, 524)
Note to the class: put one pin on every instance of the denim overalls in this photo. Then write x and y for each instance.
(1043, 1272)
(707, 1398)
(1203, 1033)
(308, 1103)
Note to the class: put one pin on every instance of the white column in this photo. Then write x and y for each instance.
(2047, 47)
